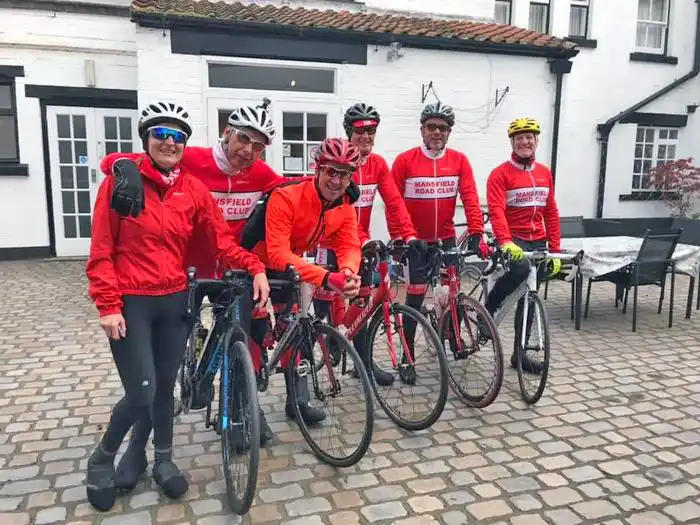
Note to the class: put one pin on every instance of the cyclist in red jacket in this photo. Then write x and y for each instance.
(236, 177)
(524, 217)
(145, 213)
(360, 122)
(429, 177)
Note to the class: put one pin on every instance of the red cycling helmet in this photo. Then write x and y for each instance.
(338, 153)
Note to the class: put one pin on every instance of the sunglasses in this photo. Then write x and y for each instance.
(370, 130)
(442, 127)
(243, 138)
(163, 133)
(344, 175)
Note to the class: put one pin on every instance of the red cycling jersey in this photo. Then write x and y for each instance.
(429, 185)
(522, 205)
(373, 174)
(236, 194)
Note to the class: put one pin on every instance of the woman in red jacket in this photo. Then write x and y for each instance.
(143, 219)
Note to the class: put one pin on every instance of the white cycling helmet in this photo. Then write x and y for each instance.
(257, 118)
(161, 112)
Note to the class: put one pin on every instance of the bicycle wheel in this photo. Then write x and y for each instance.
(476, 330)
(430, 366)
(239, 421)
(183, 390)
(537, 318)
(353, 416)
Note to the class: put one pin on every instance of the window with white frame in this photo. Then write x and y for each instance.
(653, 147)
(652, 24)
(539, 16)
(578, 18)
(503, 11)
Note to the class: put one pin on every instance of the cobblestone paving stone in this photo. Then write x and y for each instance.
(614, 440)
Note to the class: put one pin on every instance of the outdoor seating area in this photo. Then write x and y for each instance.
(630, 253)
(614, 439)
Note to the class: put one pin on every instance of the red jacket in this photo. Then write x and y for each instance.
(430, 186)
(296, 219)
(521, 204)
(145, 255)
(371, 176)
(235, 194)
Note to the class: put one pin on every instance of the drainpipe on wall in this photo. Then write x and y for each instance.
(559, 67)
(605, 129)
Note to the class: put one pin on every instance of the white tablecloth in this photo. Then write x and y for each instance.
(607, 254)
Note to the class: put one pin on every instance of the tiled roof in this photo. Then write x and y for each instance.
(452, 30)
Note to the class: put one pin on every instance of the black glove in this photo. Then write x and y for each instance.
(370, 249)
(127, 196)
(418, 247)
(474, 244)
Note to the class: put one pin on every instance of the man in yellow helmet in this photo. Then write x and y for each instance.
(524, 217)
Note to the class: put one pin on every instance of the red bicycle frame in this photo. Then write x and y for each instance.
(381, 297)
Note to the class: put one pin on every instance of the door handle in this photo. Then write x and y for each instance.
(93, 175)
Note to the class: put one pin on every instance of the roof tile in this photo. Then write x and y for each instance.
(347, 21)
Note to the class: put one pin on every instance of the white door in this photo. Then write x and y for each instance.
(300, 127)
(78, 139)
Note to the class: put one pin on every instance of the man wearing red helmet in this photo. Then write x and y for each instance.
(372, 175)
(293, 220)
(430, 177)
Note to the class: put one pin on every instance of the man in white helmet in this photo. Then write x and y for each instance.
(236, 177)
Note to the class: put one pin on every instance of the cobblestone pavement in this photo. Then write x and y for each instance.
(614, 440)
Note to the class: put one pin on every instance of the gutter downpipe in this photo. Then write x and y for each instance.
(605, 129)
(559, 67)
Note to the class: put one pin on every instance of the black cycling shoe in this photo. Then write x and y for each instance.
(101, 491)
(382, 377)
(169, 478)
(407, 373)
(308, 413)
(529, 365)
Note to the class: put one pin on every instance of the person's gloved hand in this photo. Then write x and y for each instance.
(370, 248)
(418, 246)
(554, 266)
(127, 195)
(515, 251)
(477, 245)
(344, 282)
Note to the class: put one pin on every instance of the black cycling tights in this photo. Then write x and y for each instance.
(147, 360)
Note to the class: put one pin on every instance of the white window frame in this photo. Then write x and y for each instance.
(661, 138)
(580, 4)
(547, 21)
(646, 23)
(508, 4)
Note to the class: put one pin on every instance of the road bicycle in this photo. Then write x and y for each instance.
(301, 332)
(386, 318)
(534, 314)
(224, 350)
(465, 327)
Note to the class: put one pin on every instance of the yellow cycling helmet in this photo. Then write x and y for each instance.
(524, 124)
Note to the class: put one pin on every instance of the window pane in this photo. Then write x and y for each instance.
(80, 150)
(126, 147)
(293, 160)
(315, 127)
(643, 9)
(65, 153)
(648, 151)
(69, 229)
(8, 138)
(125, 128)
(68, 201)
(649, 135)
(292, 126)
(111, 147)
(658, 10)
(538, 17)
(83, 177)
(661, 151)
(663, 133)
(635, 182)
(671, 153)
(237, 76)
(637, 166)
(66, 177)
(111, 128)
(83, 202)
(79, 127)
(63, 125)
(577, 21)
(84, 226)
(502, 15)
(5, 97)
(673, 134)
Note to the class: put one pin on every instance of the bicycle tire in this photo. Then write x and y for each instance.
(240, 361)
(532, 399)
(185, 375)
(438, 350)
(464, 302)
(348, 350)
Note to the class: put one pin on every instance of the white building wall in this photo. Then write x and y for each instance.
(468, 81)
(53, 48)
(604, 82)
